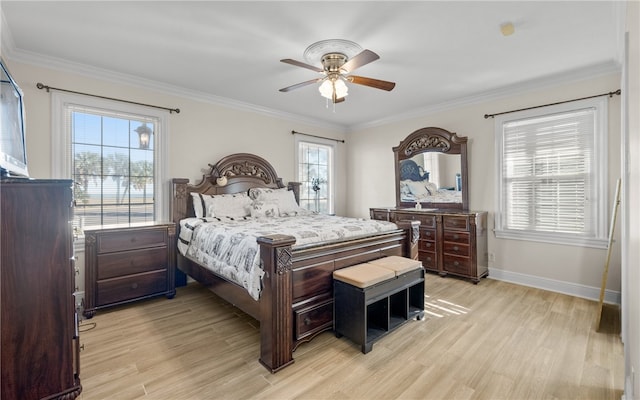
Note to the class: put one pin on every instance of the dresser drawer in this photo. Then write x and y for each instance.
(455, 222)
(131, 287)
(455, 264)
(426, 220)
(429, 260)
(427, 234)
(133, 239)
(426, 245)
(313, 319)
(456, 236)
(112, 265)
(457, 249)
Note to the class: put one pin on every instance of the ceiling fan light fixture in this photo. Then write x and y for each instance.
(331, 87)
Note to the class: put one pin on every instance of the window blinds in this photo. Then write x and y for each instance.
(548, 173)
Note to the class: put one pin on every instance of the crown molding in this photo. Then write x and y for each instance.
(61, 65)
(574, 76)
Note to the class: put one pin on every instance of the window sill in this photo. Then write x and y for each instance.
(561, 239)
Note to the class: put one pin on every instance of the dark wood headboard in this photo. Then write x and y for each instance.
(243, 172)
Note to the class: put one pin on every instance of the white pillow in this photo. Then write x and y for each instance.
(199, 207)
(421, 188)
(284, 198)
(228, 205)
(261, 209)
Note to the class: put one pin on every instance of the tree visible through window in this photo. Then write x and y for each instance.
(113, 167)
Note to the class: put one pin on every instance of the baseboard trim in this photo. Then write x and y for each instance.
(573, 289)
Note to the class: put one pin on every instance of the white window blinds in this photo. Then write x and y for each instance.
(551, 175)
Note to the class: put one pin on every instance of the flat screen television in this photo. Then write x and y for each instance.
(13, 151)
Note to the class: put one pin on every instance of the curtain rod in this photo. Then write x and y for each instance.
(48, 88)
(610, 94)
(319, 137)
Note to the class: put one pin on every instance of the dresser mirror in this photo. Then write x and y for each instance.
(431, 170)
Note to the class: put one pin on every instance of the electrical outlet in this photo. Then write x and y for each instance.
(492, 257)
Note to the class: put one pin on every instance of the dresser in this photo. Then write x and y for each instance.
(452, 242)
(40, 345)
(126, 263)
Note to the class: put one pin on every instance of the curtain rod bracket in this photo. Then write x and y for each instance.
(49, 88)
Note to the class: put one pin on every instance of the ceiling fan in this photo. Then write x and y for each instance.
(336, 69)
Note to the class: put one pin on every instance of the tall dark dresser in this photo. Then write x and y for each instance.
(40, 344)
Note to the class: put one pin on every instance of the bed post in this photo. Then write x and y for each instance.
(276, 315)
(412, 232)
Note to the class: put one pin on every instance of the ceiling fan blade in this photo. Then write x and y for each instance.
(362, 58)
(374, 83)
(301, 64)
(338, 100)
(299, 85)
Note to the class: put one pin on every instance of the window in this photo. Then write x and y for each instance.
(113, 153)
(315, 173)
(552, 184)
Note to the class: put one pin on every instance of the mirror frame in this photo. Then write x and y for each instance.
(435, 140)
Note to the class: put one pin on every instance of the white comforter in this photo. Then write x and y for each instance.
(229, 248)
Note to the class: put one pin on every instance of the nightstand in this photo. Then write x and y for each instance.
(126, 263)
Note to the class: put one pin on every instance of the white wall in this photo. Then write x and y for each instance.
(571, 269)
(200, 134)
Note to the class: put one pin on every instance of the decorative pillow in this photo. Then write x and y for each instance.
(199, 207)
(228, 205)
(420, 188)
(261, 209)
(284, 198)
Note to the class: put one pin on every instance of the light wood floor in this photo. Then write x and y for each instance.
(493, 340)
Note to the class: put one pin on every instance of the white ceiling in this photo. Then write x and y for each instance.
(438, 53)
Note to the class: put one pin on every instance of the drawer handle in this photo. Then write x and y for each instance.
(307, 321)
(429, 259)
(455, 236)
(134, 286)
(456, 248)
(428, 245)
(456, 263)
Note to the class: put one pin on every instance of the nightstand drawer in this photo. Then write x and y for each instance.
(454, 264)
(131, 287)
(131, 262)
(133, 239)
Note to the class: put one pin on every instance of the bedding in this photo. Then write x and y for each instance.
(427, 191)
(228, 246)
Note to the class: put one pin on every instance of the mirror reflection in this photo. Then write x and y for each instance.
(431, 177)
(431, 170)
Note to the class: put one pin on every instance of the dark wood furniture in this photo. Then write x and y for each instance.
(126, 263)
(40, 345)
(451, 242)
(366, 314)
(296, 302)
(439, 141)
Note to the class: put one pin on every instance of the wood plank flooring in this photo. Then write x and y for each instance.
(493, 340)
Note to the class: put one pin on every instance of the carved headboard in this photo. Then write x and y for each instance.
(243, 172)
(410, 170)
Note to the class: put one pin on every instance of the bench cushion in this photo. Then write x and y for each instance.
(399, 265)
(363, 275)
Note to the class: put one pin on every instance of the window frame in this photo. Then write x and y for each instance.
(599, 177)
(331, 170)
(61, 163)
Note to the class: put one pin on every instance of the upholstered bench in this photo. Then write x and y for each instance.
(374, 298)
